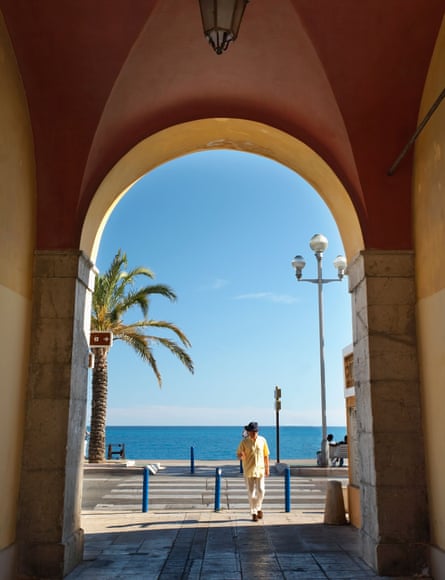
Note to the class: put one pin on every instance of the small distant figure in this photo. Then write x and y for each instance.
(332, 444)
(330, 439)
(253, 451)
(335, 454)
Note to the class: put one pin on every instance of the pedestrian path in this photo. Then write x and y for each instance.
(173, 542)
(193, 493)
(225, 545)
(175, 488)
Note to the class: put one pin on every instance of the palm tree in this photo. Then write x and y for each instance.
(114, 295)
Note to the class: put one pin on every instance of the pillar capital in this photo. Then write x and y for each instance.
(380, 264)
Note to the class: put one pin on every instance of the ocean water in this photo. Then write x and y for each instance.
(214, 443)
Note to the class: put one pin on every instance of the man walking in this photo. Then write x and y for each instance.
(254, 453)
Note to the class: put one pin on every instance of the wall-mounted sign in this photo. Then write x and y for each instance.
(348, 362)
(101, 338)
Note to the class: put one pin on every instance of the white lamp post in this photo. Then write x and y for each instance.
(319, 244)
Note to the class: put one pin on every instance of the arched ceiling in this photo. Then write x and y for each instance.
(344, 77)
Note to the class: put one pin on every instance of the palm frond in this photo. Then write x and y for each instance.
(116, 294)
(175, 349)
(140, 344)
(168, 326)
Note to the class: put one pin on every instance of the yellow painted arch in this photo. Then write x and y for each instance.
(221, 133)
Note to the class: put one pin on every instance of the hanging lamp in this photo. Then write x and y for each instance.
(221, 20)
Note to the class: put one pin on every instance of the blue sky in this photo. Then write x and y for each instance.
(221, 229)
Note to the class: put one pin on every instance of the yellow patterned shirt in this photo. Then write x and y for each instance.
(254, 453)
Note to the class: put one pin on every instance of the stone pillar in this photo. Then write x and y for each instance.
(48, 534)
(392, 473)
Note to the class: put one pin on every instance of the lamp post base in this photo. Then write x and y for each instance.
(324, 456)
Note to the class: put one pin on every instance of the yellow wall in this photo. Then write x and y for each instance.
(429, 230)
(17, 211)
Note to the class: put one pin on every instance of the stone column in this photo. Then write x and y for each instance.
(49, 535)
(392, 473)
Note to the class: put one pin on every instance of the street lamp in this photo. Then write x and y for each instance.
(221, 20)
(319, 244)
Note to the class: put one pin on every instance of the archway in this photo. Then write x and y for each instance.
(210, 135)
(213, 134)
(238, 134)
(380, 281)
(206, 135)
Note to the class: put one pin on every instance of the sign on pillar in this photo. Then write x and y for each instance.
(98, 339)
(101, 339)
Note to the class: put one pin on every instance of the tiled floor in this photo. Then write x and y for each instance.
(177, 541)
(224, 545)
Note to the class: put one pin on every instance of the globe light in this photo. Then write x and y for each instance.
(318, 243)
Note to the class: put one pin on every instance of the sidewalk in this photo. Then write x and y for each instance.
(226, 545)
(299, 467)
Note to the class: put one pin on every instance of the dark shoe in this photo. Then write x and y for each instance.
(260, 515)
(254, 518)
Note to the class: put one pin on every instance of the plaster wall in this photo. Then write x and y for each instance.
(17, 214)
(429, 230)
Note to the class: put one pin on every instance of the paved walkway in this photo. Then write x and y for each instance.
(217, 545)
(202, 544)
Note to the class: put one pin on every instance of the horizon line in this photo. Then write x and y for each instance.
(217, 426)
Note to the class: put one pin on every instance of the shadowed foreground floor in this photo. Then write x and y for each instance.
(218, 545)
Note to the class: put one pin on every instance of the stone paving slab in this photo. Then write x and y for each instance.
(201, 544)
(223, 545)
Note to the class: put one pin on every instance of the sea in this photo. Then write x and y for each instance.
(214, 443)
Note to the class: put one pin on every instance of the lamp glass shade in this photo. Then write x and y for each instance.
(318, 243)
(340, 263)
(298, 262)
(221, 20)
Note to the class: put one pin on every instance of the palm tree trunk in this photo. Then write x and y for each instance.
(96, 448)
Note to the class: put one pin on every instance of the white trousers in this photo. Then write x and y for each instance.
(256, 490)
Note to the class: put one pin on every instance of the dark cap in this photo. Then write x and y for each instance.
(252, 426)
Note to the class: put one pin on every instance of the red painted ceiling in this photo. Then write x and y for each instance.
(344, 76)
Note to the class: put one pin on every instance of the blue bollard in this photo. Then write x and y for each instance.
(145, 490)
(218, 489)
(192, 460)
(287, 490)
(241, 470)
